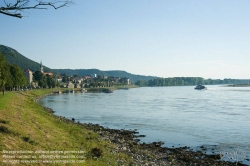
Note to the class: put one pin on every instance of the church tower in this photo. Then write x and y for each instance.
(41, 67)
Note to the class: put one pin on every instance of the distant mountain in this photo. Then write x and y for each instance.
(14, 57)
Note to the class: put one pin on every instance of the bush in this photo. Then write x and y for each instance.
(3, 121)
(4, 129)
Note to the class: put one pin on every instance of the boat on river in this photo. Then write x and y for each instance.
(200, 87)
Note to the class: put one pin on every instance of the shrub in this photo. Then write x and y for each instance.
(4, 129)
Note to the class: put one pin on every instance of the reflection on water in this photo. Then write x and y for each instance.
(178, 116)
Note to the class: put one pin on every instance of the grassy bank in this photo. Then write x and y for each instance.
(26, 125)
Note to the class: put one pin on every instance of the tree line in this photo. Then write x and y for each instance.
(182, 81)
(11, 76)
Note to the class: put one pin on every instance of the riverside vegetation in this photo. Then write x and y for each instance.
(26, 125)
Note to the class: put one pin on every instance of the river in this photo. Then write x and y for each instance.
(217, 119)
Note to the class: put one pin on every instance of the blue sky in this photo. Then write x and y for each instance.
(165, 38)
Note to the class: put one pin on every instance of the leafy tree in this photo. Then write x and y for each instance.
(43, 82)
(75, 75)
(40, 78)
(14, 9)
(17, 76)
(5, 75)
(50, 82)
(65, 78)
(38, 75)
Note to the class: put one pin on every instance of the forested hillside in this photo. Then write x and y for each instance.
(14, 57)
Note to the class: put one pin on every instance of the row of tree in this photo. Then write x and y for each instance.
(11, 76)
(181, 81)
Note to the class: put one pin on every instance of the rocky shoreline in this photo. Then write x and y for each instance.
(148, 154)
(153, 153)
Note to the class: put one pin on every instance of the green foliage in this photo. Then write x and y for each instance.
(38, 75)
(17, 76)
(42, 83)
(50, 82)
(44, 80)
(3, 121)
(181, 81)
(10, 75)
(13, 57)
(65, 78)
(4, 129)
(5, 77)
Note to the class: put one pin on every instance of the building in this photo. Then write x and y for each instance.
(86, 77)
(29, 75)
(47, 73)
(41, 67)
(128, 81)
(70, 85)
(93, 75)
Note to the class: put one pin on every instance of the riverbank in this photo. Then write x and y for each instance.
(102, 146)
(239, 85)
(96, 89)
(26, 126)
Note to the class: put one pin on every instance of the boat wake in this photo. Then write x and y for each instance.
(211, 89)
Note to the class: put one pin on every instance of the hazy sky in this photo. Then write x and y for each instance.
(166, 38)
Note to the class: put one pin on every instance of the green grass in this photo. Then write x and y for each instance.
(26, 125)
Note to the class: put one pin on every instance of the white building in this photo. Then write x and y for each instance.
(41, 67)
(93, 75)
(128, 82)
(29, 75)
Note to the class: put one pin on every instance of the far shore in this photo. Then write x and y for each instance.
(239, 85)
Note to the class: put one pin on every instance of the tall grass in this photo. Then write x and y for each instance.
(27, 125)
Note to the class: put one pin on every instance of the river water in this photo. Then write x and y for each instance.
(217, 118)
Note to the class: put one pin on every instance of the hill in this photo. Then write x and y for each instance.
(14, 57)
(116, 73)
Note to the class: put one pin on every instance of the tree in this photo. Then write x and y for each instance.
(65, 78)
(40, 78)
(75, 75)
(14, 9)
(38, 75)
(17, 76)
(4, 73)
(50, 82)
